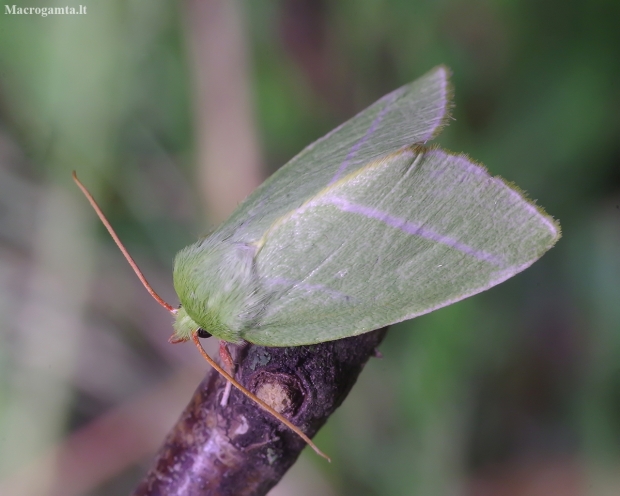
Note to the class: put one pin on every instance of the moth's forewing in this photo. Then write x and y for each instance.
(411, 114)
(405, 235)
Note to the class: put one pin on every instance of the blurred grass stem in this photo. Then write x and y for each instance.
(228, 153)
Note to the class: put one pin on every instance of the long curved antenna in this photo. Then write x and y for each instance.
(195, 338)
(124, 251)
(256, 400)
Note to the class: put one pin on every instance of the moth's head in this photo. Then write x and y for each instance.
(184, 326)
(213, 280)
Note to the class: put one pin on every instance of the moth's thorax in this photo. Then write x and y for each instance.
(218, 288)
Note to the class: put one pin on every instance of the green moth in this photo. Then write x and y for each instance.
(364, 228)
(367, 206)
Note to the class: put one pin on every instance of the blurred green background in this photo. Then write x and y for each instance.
(171, 112)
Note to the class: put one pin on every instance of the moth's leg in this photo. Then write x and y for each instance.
(229, 366)
(227, 359)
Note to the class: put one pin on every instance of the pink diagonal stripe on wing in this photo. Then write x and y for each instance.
(414, 229)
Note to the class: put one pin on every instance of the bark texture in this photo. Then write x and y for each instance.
(239, 449)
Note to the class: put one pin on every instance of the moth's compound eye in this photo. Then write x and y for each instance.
(203, 334)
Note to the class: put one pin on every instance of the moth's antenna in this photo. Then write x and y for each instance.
(195, 338)
(256, 400)
(124, 251)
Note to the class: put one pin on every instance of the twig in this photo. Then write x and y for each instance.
(238, 449)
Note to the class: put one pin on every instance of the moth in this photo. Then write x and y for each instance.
(366, 227)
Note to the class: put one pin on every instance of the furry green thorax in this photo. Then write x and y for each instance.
(217, 285)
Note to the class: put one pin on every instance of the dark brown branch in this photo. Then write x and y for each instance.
(240, 450)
